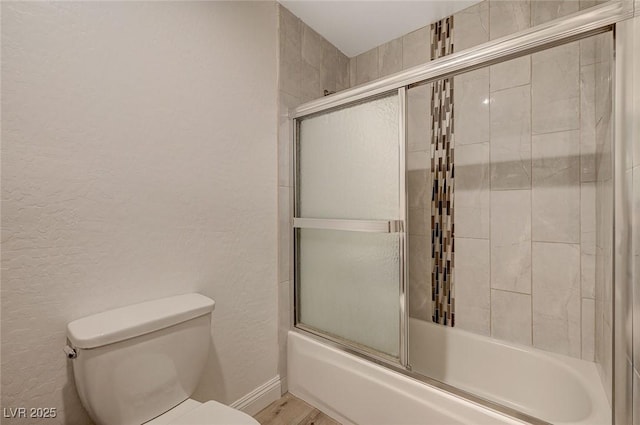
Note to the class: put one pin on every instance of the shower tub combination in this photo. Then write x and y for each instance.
(353, 350)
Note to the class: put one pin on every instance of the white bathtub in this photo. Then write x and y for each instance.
(552, 387)
(355, 391)
(558, 389)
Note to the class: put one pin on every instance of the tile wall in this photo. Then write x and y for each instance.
(525, 214)
(307, 66)
(442, 165)
(528, 129)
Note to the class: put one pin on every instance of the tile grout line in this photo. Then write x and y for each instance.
(510, 291)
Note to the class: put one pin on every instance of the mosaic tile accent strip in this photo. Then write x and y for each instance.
(442, 175)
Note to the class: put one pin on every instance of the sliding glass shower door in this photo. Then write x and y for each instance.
(349, 225)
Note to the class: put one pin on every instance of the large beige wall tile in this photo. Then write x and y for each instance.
(588, 221)
(555, 89)
(418, 193)
(513, 73)
(603, 109)
(472, 201)
(311, 47)
(556, 187)
(588, 275)
(285, 137)
(587, 124)
(604, 46)
(329, 67)
(289, 24)
(416, 47)
(588, 238)
(367, 66)
(352, 71)
(588, 329)
(419, 118)
(511, 138)
(418, 160)
(606, 362)
(290, 66)
(473, 297)
(511, 316)
(390, 57)
(556, 298)
(471, 107)
(587, 51)
(598, 337)
(420, 222)
(596, 49)
(311, 83)
(471, 26)
(342, 81)
(510, 240)
(508, 16)
(547, 10)
(420, 277)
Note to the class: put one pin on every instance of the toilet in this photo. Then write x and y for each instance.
(140, 364)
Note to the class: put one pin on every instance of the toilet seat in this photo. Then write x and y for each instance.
(191, 412)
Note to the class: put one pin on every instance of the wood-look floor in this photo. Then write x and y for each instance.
(290, 410)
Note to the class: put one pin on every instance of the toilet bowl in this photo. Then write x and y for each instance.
(140, 364)
(191, 412)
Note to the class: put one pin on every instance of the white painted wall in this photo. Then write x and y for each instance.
(138, 161)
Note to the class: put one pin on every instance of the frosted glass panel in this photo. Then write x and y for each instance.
(349, 286)
(349, 162)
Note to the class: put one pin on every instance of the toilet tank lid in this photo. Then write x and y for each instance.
(127, 322)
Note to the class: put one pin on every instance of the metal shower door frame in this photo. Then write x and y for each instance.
(398, 226)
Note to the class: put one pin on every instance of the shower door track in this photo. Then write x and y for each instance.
(560, 31)
(595, 20)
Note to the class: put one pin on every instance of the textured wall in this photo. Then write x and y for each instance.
(138, 161)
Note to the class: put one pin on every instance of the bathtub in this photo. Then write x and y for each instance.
(555, 388)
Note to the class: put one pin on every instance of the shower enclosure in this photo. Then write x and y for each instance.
(455, 221)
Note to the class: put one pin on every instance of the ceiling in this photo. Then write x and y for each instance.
(355, 26)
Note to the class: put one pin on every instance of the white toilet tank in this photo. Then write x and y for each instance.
(135, 363)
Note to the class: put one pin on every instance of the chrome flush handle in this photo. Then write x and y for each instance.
(70, 352)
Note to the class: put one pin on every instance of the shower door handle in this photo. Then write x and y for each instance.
(372, 226)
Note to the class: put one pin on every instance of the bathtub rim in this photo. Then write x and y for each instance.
(424, 380)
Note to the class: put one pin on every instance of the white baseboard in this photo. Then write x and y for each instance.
(259, 398)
